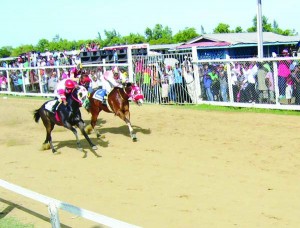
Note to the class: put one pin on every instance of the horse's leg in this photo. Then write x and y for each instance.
(126, 117)
(95, 110)
(50, 138)
(69, 126)
(49, 127)
(80, 125)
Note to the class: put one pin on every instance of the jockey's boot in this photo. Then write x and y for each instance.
(104, 100)
(54, 107)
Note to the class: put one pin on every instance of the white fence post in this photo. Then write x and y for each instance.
(196, 75)
(54, 217)
(54, 204)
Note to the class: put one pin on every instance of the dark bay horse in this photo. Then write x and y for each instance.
(64, 117)
(118, 103)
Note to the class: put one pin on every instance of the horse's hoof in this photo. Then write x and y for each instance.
(100, 136)
(134, 138)
(95, 148)
(56, 152)
(46, 146)
(80, 149)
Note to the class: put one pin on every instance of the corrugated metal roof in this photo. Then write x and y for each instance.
(163, 46)
(204, 44)
(245, 38)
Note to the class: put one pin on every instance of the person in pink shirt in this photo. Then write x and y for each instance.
(283, 73)
(3, 82)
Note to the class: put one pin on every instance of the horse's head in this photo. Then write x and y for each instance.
(81, 94)
(136, 94)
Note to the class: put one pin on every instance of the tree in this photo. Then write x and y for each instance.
(112, 38)
(159, 35)
(42, 45)
(238, 29)
(134, 39)
(185, 35)
(222, 28)
(22, 49)
(5, 51)
(148, 34)
(266, 27)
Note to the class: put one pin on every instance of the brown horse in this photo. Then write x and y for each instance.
(64, 117)
(117, 103)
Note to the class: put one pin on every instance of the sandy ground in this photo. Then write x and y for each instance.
(188, 168)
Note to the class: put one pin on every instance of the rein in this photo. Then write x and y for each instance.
(75, 99)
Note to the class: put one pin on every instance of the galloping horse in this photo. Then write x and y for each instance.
(63, 116)
(117, 103)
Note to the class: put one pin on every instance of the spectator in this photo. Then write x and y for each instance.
(289, 89)
(261, 84)
(270, 84)
(3, 82)
(20, 81)
(296, 78)
(63, 61)
(171, 80)
(283, 73)
(115, 56)
(203, 71)
(178, 80)
(14, 79)
(52, 82)
(223, 82)
(215, 87)
(207, 85)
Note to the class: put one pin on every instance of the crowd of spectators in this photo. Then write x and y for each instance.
(30, 79)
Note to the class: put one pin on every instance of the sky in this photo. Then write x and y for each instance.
(27, 22)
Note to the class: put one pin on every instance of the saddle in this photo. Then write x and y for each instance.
(101, 95)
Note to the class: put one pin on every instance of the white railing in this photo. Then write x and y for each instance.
(54, 204)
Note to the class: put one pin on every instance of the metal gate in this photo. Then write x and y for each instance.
(166, 78)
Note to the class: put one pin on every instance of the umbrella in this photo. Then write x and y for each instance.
(170, 62)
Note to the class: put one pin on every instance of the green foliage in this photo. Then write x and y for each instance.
(5, 51)
(185, 35)
(22, 49)
(268, 27)
(134, 39)
(238, 29)
(222, 28)
(158, 35)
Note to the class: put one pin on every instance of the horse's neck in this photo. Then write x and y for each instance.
(122, 93)
(71, 101)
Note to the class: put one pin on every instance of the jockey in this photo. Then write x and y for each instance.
(75, 72)
(113, 78)
(64, 87)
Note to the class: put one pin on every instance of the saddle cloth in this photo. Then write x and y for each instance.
(49, 105)
(100, 96)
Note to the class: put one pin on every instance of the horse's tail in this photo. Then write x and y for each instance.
(36, 115)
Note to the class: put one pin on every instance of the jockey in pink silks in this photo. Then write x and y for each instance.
(63, 88)
(113, 78)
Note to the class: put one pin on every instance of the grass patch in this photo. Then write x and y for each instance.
(206, 107)
(10, 222)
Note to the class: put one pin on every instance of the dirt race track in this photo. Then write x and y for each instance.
(188, 169)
